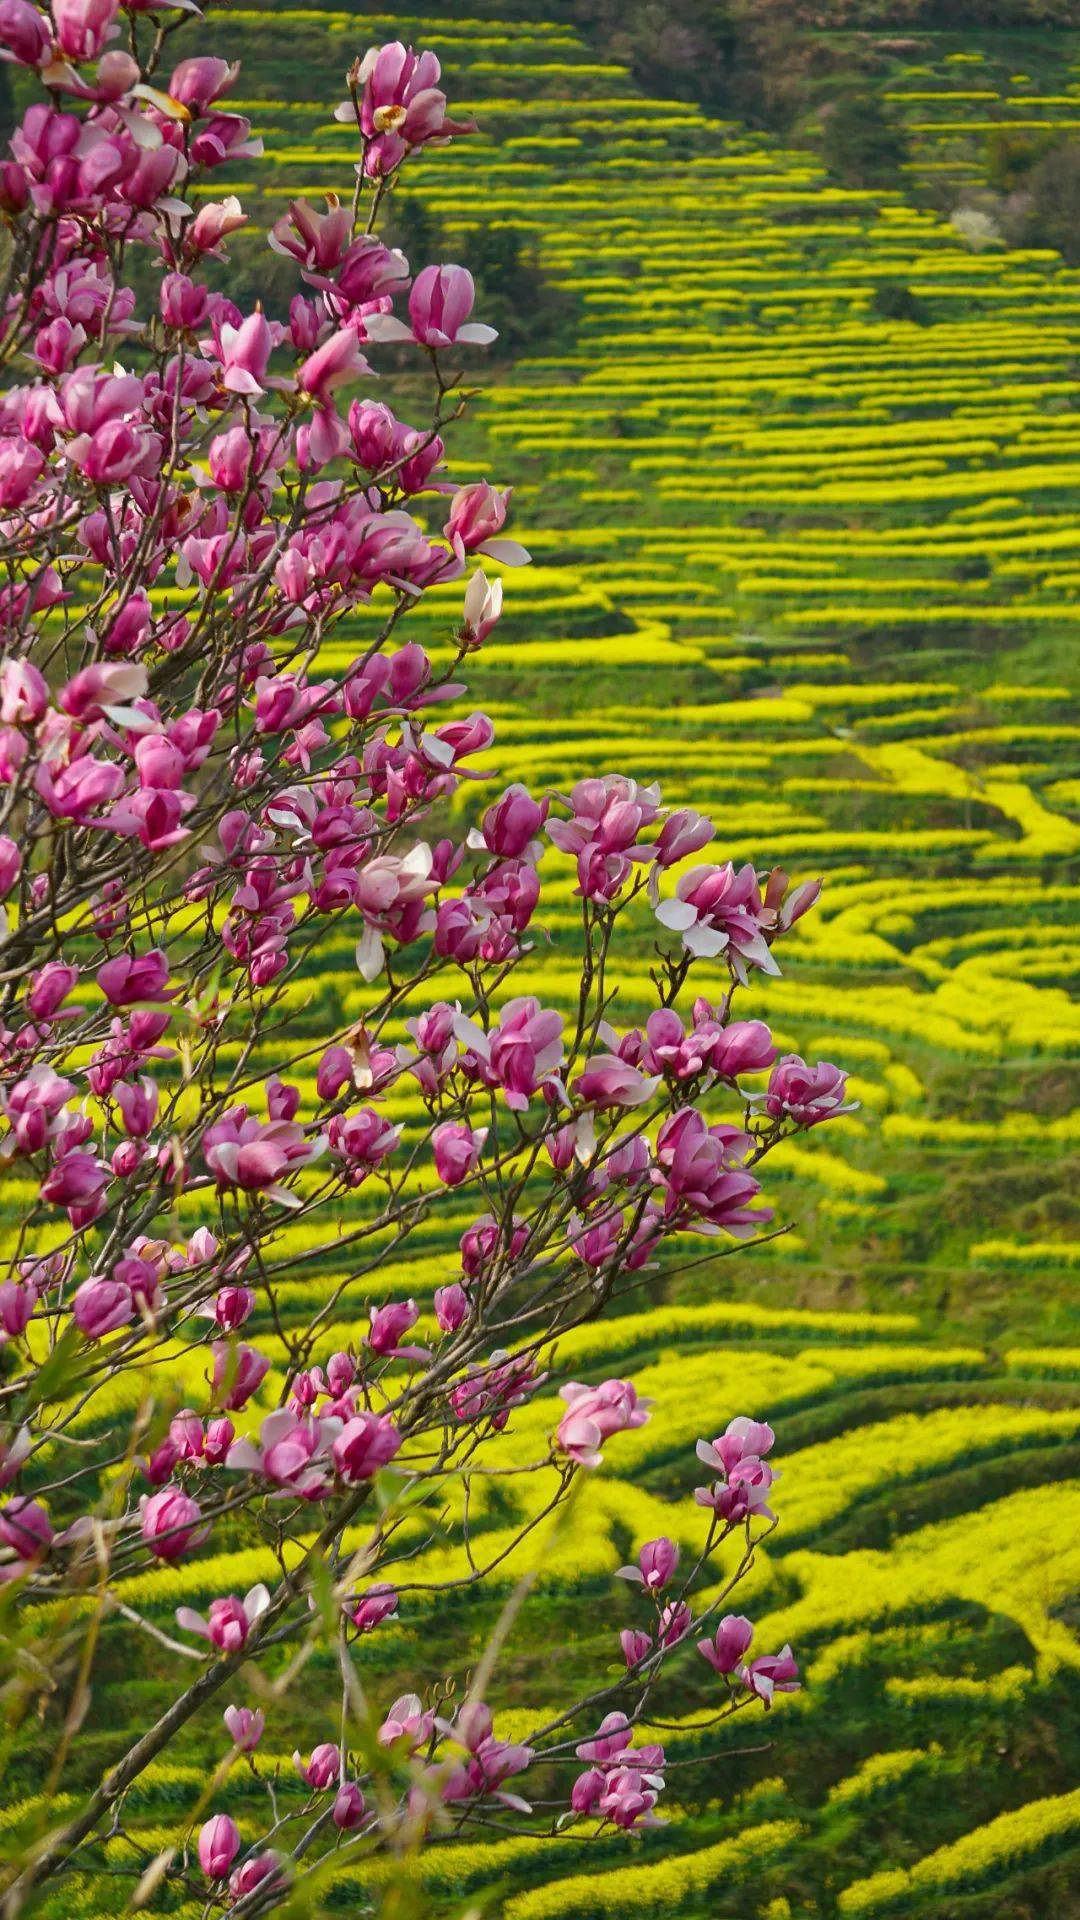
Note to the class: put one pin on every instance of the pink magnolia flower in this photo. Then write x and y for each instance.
(492, 1392)
(457, 1149)
(593, 1414)
(586, 1790)
(770, 1674)
(364, 1445)
(77, 1181)
(610, 1741)
(674, 1624)
(439, 307)
(369, 1609)
(245, 354)
(597, 1243)
(25, 1527)
(106, 685)
(361, 1141)
(341, 1371)
(171, 1523)
(152, 816)
(24, 34)
(263, 1871)
(789, 903)
(115, 451)
(230, 1621)
(75, 792)
(13, 1453)
(742, 1439)
(725, 1649)
(201, 1248)
(217, 1440)
(318, 441)
(482, 610)
(232, 1306)
(716, 910)
(807, 1095)
(668, 1048)
(388, 1324)
(219, 1844)
(239, 1371)
(132, 978)
(335, 1073)
(348, 1808)
(628, 1799)
(245, 1727)
(197, 83)
(635, 1644)
(477, 516)
(10, 863)
(696, 1166)
(224, 136)
(234, 459)
(485, 1240)
(185, 1430)
(745, 1046)
(138, 1104)
(407, 1721)
(292, 1453)
(321, 243)
(101, 1305)
(511, 824)
(610, 813)
(400, 97)
(35, 1109)
(606, 1081)
(83, 26)
(162, 763)
(213, 223)
(461, 928)
(338, 360)
(656, 1563)
(683, 833)
(451, 1307)
(602, 876)
(743, 1495)
(182, 302)
(321, 1770)
(24, 691)
(490, 1763)
(49, 988)
(520, 1055)
(254, 1155)
(161, 1464)
(21, 468)
(373, 430)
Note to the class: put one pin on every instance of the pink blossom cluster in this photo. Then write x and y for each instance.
(459, 1761)
(195, 494)
(735, 1502)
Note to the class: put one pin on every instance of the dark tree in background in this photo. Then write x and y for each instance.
(862, 141)
(1053, 194)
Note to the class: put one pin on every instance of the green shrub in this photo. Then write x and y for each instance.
(1053, 186)
(863, 142)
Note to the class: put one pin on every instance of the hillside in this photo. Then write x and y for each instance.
(842, 546)
(814, 565)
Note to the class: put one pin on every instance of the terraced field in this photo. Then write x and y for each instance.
(954, 95)
(818, 571)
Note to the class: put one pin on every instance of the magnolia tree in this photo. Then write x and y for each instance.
(193, 499)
